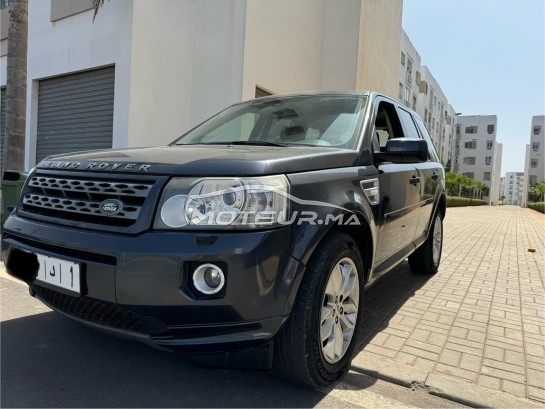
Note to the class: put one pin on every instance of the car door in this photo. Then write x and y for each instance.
(399, 190)
(429, 172)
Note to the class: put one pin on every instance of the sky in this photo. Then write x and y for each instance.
(488, 58)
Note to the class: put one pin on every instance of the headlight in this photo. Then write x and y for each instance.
(235, 203)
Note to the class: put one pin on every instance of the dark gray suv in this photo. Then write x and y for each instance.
(247, 242)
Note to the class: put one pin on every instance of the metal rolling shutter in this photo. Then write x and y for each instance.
(75, 112)
(2, 123)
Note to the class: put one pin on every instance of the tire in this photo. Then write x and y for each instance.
(426, 259)
(325, 308)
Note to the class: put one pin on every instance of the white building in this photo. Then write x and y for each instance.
(418, 89)
(512, 186)
(534, 167)
(438, 115)
(409, 73)
(146, 71)
(477, 153)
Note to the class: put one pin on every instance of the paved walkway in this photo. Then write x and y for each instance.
(474, 332)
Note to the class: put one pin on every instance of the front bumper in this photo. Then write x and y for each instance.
(138, 286)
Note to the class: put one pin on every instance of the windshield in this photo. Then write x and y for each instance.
(310, 120)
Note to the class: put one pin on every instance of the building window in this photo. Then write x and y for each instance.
(488, 160)
(470, 145)
(469, 175)
(414, 103)
(458, 129)
(490, 129)
(402, 58)
(469, 160)
(400, 91)
(489, 144)
(533, 163)
(471, 129)
(537, 130)
(533, 180)
(4, 4)
(409, 71)
(486, 176)
(535, 146)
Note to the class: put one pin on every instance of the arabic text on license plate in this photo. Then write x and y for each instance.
(59, 273)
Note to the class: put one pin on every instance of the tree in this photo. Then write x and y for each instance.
(539, 190)
(96, 5)
(16, 79)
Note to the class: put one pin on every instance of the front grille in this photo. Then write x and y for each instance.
(79, 199)
(100, 312)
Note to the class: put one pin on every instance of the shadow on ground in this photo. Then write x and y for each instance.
(386, 296)
(48, 360)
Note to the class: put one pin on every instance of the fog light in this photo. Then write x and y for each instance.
(208, 279)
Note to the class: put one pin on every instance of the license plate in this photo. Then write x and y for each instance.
(59, 273)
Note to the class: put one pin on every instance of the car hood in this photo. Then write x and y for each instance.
(205, 160)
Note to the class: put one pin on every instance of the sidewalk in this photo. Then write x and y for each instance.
(475, 332)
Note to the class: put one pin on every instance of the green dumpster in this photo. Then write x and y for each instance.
(12, 184)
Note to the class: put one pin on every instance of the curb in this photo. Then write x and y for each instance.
(444, 386)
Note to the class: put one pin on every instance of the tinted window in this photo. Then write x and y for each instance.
(426, 136)
(408, 124)
(332, 121)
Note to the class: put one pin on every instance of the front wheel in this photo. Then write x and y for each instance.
(426, 258)
(315, 346)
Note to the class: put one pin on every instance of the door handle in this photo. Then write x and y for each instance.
(435, 176)
(414, 180)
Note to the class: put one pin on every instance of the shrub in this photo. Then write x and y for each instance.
(539, 206)
(477, 202)
(455, 201)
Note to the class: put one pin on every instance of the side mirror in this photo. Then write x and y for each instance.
(404, 150)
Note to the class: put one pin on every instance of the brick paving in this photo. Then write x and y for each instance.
(481, 318)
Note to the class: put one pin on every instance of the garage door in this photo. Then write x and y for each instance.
(2, 123)
(75, 112)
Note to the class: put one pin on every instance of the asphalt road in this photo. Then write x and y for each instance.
(48, 360)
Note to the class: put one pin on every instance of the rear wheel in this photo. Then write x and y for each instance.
(427, 257)
(315, 346)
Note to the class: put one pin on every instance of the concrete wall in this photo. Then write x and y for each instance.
(305, 45)
(186, 64)
(283, 46)
(75, 44)
(379, 48)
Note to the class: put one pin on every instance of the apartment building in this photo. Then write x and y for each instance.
(477, 153)
(512, 187)
(534, 166)
(409, 73)
(419, 90)
(437, 113)
(146, 71)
